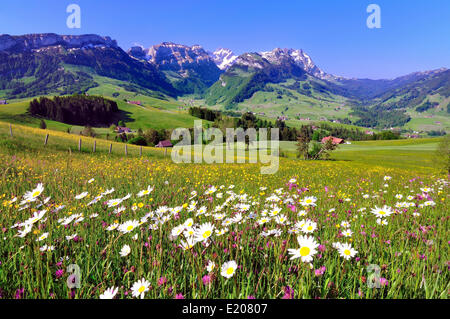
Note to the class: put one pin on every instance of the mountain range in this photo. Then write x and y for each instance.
(283, 81)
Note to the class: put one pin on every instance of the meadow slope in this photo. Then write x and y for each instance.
(155, 229)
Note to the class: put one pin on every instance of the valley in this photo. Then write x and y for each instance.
(168, 78)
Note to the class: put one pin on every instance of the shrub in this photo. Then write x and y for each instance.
(88, 131)
(139, 140)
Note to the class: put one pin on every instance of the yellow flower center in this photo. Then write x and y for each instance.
(130, 227)
(382, 212)
(308, 201)
(310, 228)
(141, 289)
(36, 193)
(230, 271)
(304, 251)
(206, 234)
(347, 252)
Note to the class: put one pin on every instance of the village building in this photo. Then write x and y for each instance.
(3, 102)
(165, 143)
(335, 140)
(135, 102)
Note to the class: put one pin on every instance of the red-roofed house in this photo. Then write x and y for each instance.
(165, 143)
(335, 140)
(135, 102)
(121, 129)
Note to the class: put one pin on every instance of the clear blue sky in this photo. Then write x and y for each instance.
(415, 34)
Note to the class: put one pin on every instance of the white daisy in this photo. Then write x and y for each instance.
(347, 233)
(188, 244)
(32, 195)
(204, 232)
(346, 251)
(309, 201)
(145, 191)
(128, 226)
(228, 269)
(82, 195)
(211, 265)
(36, 217)
(42, 237)
(125, 251)
(139, 288)
(114, 202)
(309, 227)
(109, 293)
(385, 211)
(308, 248)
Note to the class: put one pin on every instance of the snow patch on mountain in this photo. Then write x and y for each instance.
(300, 58)
(223, 58)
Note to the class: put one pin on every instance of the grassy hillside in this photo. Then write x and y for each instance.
(153, 113)
(31, 141)
(280, 100)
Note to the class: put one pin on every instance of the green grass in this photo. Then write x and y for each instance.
(406, 153)
(28, 140)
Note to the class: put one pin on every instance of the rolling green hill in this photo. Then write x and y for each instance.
(153, 113)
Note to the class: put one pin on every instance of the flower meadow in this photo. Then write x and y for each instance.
(149, 228)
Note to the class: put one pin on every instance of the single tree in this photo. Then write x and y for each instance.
(42, 124)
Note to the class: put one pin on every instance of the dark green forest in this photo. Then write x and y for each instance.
(76, 110)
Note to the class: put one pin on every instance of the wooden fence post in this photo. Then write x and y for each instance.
(165, 151)
(126, 149)
(140, 151)
(10, 130)
(46, 140)
(110, 148)
(95, 146)
(79, 145)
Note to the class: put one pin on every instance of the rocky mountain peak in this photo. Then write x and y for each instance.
(298, 56)
(172, 56)
(31, 42)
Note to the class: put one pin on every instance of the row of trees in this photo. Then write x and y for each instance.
(204, 113)
(287, 133)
